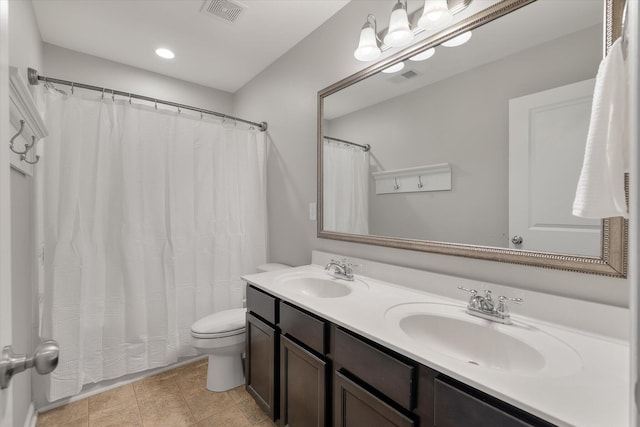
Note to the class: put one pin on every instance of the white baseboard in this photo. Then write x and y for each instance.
(93, 389)
(32, 416)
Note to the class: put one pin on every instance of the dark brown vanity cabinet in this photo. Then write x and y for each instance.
(306, 372)
(262, 350)
(303, 368)
(371, 386)
(459, 405)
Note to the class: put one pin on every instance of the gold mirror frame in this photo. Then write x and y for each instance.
(613, 259)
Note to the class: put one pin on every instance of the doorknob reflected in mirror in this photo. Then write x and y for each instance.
(516, 240)
(44, 359)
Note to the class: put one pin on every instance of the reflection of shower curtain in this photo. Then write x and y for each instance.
(346, 189)
(150, 219)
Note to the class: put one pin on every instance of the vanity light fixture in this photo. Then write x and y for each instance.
(422, 56)
(399, 33)
(394, 68)
(165, 53)
(368, 48)
(436, 14)
(458, 40)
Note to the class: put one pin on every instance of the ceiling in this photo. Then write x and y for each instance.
(209, 51)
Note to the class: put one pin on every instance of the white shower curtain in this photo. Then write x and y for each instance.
(345, 189)
(150, 218)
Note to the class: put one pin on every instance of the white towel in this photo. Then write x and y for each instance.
(600, 192)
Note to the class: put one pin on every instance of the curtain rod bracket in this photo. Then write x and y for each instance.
(32, 76)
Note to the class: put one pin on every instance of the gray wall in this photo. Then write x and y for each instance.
(423, 127)
(285, 95)
(78, 67)
(25, 50)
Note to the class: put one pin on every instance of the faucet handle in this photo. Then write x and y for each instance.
(505, 299)
(473, 292)
(503, 308)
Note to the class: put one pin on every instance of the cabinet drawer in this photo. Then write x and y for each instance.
(305, 327)
(262, 304)
(456, 408)
(384, 372)
(355, 407)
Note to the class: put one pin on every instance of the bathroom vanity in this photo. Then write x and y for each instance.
(323, 351)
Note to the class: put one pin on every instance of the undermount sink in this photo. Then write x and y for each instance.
(518, 348)
(318, 284)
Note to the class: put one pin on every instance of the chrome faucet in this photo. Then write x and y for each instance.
(484, 306)
(340, 269)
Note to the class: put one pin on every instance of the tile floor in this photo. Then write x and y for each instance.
(174, 398)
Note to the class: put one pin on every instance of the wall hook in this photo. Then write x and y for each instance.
(420, 182)
(24, 159)
(15, 136)
(27, 147)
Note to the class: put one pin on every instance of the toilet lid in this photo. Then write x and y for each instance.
(222, 323)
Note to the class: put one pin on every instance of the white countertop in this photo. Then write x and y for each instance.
(595, 394)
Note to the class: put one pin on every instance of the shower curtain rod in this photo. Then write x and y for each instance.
(365, 147)
(35, 78)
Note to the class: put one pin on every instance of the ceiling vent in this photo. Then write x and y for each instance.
(226, 10)
(401, 78)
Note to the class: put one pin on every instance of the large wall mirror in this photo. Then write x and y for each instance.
(475, 151)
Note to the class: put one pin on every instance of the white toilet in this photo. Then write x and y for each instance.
(221, 335)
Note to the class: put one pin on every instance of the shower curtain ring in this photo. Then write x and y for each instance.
(201, 115)
(113, 96)
(155, 104)
(420, 182)
(129, 98)
(72, 84)
(396, 187)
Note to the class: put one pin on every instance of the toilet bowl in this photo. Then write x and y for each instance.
(221, 336)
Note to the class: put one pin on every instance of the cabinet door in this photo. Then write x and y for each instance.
(302, 385)
(456, 408)
(261, 363)
(356, 407)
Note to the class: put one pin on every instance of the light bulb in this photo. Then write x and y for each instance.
(394, 68)
(399, 33)
(368, 49)
(423, 55)
(436, 14)
(458, 40)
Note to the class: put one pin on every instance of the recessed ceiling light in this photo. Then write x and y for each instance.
(394, 68)
(164, 53)
(423, 55)
(458, 40)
